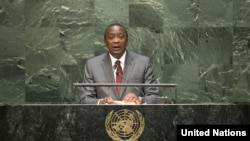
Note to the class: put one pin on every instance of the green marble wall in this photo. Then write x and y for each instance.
(202, 45)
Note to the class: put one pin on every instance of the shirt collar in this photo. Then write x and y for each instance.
(122, 59)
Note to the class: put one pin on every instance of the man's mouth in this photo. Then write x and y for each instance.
(116, 46)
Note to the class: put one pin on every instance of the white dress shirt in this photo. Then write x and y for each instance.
(122, 60)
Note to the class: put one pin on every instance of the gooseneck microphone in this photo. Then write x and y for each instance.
(117, 73)
(115, 67)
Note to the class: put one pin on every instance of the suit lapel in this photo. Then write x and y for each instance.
(129, 61)
(107, 68)
(109, 74)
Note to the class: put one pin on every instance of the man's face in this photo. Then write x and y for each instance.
(116, 41)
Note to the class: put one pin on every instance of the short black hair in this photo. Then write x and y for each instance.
(116, 24)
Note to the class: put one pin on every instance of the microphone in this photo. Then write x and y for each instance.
(117, 73)
(115, 67)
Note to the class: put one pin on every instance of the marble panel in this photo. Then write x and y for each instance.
(145, 15)
(241, 13)
(241, 46)
(70, 74)
(77, 43)
(43, 57)
(11, 13)
(42, 13)
(12, 65)
(111, 11)
(241, 84)
(181, 13)
(215, 13)
(187, 89)
(77, 13)
(216, 83)
(180, 45)
(215, 46)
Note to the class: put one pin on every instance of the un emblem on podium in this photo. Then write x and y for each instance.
(124, 125)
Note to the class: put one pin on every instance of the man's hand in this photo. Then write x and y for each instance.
(132, 98)
(107, 100)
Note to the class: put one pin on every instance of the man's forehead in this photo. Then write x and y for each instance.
(115, 29)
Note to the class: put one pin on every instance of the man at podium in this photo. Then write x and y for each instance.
(118, 65)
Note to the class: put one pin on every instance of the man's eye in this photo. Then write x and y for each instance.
(111, 37)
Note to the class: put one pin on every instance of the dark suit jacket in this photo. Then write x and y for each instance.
(137, 69)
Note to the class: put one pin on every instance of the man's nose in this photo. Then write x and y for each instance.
(116, 39)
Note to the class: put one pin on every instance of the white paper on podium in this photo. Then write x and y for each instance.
(123, 103)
